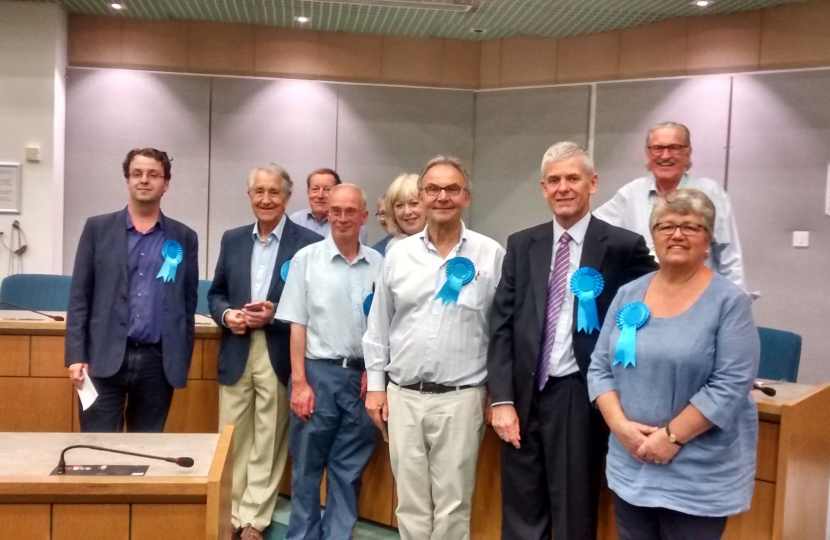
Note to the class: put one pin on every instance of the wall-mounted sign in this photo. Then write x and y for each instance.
(9, 188)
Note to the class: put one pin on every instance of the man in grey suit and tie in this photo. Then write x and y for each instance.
(130, 319)
(254, 362)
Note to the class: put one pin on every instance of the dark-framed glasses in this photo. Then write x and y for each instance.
(434, 190)
(137, 174)
(337, 212)
(673, 149)
(686, 229)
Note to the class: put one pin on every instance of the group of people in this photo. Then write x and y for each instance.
(622, 335)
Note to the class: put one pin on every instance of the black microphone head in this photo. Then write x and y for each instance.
(58, 318)
(184, 462)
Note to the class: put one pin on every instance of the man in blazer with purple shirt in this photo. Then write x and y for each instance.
(130, 320)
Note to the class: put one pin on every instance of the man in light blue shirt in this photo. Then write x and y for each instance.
(320, 183)
(669, 152)
(326, 298)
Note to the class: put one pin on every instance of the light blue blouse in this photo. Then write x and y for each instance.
(707, 356)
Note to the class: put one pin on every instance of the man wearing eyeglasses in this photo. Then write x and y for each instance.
(427, 332)
(669, 152)
(315, 218)
(326, 297)
(130, 319)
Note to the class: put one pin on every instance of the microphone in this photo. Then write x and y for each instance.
(768, 391)
(57, 318)
(180, 461)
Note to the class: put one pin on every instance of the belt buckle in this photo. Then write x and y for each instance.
(421, 389)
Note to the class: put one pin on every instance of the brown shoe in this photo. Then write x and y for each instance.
(249, 533)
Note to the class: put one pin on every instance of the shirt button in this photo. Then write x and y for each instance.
(141, 273)
(139, 294)
(142, 254)
(137, 315)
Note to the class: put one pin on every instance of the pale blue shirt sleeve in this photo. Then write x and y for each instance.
(726, 245)
(293, 307)
(613, 211)
(376, 338)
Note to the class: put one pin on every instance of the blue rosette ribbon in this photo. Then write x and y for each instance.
(630, 318)
(460, 271)
(284, 270)
(173, 255)
(587, 284)
(367, 303)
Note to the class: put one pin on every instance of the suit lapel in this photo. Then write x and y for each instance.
(247, 247)
(119, 230)
(284, 253)
(593, 253)
(541, 252)
(171, 232)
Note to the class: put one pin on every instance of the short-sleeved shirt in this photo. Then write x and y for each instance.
(707, 356)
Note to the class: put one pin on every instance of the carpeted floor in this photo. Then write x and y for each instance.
(364, 531)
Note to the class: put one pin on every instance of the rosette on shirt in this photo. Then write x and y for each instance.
(367, 303)
(460, 271)
(173, 255)
(284, 270)
(587, 284)
(630, 318)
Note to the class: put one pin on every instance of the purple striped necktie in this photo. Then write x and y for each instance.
(556, 293)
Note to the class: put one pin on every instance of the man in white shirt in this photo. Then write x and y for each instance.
(326, 296)
(316, 217)
(427, 332)
(669, 153)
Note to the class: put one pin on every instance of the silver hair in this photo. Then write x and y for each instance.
(346, 185)
(687, 135)
(452, 162)
(276, 170)
(685, 202)
(567, 150)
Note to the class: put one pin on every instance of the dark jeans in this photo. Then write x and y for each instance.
(138, 394)
(639, 523)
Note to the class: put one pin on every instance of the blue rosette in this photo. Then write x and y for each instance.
(630, 318)
(587, 284)
(284, 270)
(460, 271)
(173, 255)
(367, 303)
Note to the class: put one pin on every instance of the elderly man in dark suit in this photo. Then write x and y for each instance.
(557, 283)
(254, 362)
(130, 319)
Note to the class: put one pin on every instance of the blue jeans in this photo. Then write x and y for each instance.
(138, 394)
(338, 438)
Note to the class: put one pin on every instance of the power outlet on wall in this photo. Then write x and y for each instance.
(801, 239)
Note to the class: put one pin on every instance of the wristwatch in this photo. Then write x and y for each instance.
(672, 438)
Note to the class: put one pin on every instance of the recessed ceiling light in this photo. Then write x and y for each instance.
(301, 19)
(116, 6)
(702, 3)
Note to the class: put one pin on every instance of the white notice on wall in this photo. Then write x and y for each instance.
(827, 193)
(9, 188)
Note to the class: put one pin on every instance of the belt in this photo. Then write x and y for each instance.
(351, 363)
(434, 388)
(137, 345)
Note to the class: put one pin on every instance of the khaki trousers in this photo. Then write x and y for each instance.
(257, 406)
(433, 445)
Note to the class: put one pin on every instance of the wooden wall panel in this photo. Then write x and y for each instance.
(221, 48)
(94, 41)
(593, 57)
(91, 522)
(47, 357)
(43, 404)
(461, 63)
(25, 521)
(14, 360)
(724, 43)
(286, 51)
(795, 35)
(485, 521)
(179, 521)
(195, 409)
(210, 355)
(654, 50)
(767, 458)
(195, 371)
(757, 523)
(155, 44)
(412, 60)
(527, 60)
(376, 494)
(351, 56)
(490, 64)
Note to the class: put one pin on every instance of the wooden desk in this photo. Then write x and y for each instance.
(169, 502)
(792, 476)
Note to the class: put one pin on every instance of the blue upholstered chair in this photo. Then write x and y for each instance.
(780, 355)
(202, 307)
(43, 292)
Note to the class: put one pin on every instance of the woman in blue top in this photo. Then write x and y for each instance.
(684, 428)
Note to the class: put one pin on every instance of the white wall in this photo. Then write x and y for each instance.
(32, 104)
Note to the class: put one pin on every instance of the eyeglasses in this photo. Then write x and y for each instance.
(348, 212)
(137, 174)
(318, 190)
(658, 149)
(433, 190)
(686, 229)
(380, 214)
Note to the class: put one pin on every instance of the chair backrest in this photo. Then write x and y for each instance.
(780, 354)
(202, 307)
(43, 292)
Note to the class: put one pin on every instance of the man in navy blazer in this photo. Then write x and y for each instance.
(130, 320)
(254, 362)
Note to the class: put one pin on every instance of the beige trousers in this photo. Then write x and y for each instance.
(257, 406)
(433, 444)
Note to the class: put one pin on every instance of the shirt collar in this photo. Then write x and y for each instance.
(577, 230)
(424, 236)
(276, 233)
(332, 251)
(310, 215)
(652, 184)
(159, 221)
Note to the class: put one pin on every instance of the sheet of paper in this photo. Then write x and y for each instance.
(88, 394)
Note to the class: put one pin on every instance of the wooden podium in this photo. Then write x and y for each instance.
(168, 502)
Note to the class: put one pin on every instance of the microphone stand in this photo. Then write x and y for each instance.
(57, 318)
(180, 461)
